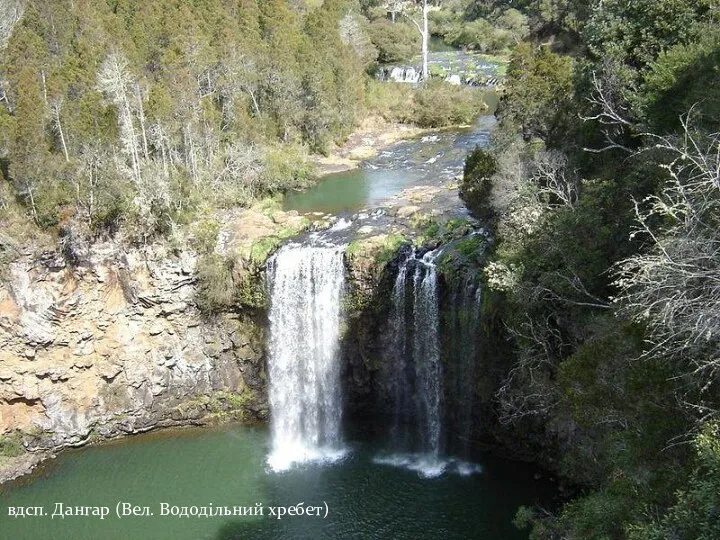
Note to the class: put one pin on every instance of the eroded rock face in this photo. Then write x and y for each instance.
(116, 345)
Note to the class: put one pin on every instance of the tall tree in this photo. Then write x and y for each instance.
(421, 26)
(115, 81)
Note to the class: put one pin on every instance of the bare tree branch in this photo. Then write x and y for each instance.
(674, 287)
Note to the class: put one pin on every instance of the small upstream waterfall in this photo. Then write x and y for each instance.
(400, 74)
(306, 285)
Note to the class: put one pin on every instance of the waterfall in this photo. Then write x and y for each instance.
(396, 369)
(397, 74)
(463, 328)
(405, 75)
(454, 80)
(426, 353)
(413, 370)
(306, 286)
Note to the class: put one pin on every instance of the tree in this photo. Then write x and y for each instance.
(10, 13)
(394, 42)
(55, 109)
(26, 59)
(424, 36)
(635, 32)
(353, 33)
(146, 103)
(115, 80)
(673, 287)
(539, 91)
(516, 24)
(421, 26)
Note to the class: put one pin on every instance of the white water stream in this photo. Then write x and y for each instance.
(306, 285)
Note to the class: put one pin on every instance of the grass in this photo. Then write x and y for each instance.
(10, 448)
(261, 250)
(381, 249)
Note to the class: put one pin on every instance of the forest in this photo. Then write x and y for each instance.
(121, 118)
(603, 189)
(143, 113)
(141, 116)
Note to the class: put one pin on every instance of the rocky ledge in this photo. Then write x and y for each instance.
(108, 340)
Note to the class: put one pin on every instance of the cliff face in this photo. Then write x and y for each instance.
(115, 345)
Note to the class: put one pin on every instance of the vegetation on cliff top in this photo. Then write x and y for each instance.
(138, 114)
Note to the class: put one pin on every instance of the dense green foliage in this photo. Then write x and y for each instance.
(396, 43)
(606, 226)
(539, 92)
(9, 447)
(136, 114)
(465, 24)
(487, 27)
(476, 186)
(434, 104)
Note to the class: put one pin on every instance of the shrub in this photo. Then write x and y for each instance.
(392, 101)
(477, 184)
(10, 448)
(696, 512)
(395, 42)
(682, 77)
(438, 104)
(285, 167)
(205, 235)
(215, 284)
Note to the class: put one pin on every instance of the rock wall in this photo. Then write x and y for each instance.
(115, 345)
(475, 353)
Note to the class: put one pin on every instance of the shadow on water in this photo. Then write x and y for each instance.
(238, 530)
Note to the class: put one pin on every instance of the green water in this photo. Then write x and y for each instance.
(437, 44)
(226, 467)
(350, 191)
(431, 160)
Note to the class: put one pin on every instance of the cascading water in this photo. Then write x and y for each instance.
(396, 370)
(462, 330)
(413, 368)
(404, 75)
(306, 286)
(414, 376)
(426, 353)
